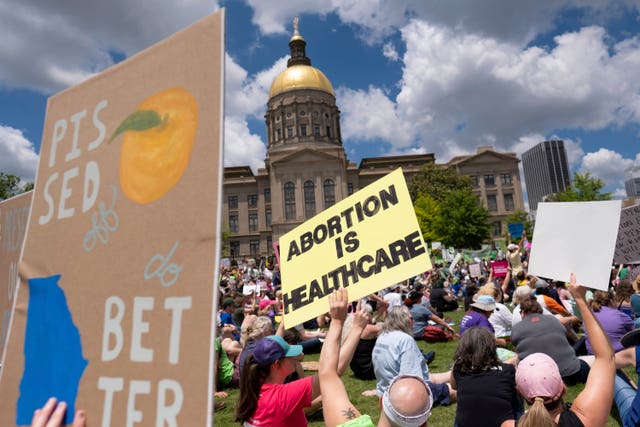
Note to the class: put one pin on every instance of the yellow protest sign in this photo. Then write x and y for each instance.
(366, 242)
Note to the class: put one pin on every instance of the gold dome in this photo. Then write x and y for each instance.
(300, 77)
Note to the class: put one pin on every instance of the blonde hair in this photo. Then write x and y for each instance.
(259, 328)
(491, 290)
(601, 299)
(537, 416)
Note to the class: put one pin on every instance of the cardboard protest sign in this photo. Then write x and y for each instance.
(499, 268)
(628, 241)
(516, 229)
(14, 214)
(366, 242)
(114, 311)
(474, 270)
(576, 237)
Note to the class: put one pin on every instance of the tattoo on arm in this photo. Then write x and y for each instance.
(349, 413)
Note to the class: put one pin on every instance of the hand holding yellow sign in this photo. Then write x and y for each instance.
(367, 241)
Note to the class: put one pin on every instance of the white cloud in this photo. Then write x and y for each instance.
(459, 91)
(389, 51)
(241, 147)
(246, 96)
(48, 46)
(17, 154)
(371, 115)
(516, 21)
(607, 165)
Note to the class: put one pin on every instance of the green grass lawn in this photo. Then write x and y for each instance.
(440, 416)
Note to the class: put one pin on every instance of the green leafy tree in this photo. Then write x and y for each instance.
(9, 186)
(516, 217)
(463, 222)
(584, 188)
(437, 182)
(427, 212)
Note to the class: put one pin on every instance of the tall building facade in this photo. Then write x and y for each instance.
(632, 181)
(495, 178)
(546, 171)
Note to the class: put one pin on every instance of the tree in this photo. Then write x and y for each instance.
(437, 182)
(462, 222)
(9, 186)
(584, 188)
(427, 212)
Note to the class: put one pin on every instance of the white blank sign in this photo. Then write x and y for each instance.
(578, 237)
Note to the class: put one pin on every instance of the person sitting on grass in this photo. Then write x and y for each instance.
(265, 399)
(396, 353)
(484, 384)
(398, 409)
(421, 315)
(478, 315)
(539, 382)
(500, 319)
(539, 333)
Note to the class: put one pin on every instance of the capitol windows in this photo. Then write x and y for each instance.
(474, 181)
(235, 248)
(316, 130)
(329, 131)
(508, 202)
(505, 178)
(315, 114)
(252, 200)
(489, 180)
(254, 248)
(289, 115)
(303, 130)
(267, 216)
(329, 193)
(290, 131)
(253, 221)
(289, 200)
(350, 188)
(267, 195)
(232, 201)
(233, 223)
(279, 134)
(309, 199)
(492, 203)
(303, 113)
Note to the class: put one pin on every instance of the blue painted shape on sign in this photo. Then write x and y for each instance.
(53, 361)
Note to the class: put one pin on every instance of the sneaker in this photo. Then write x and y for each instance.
(429, 356)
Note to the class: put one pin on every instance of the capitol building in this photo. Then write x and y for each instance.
(306, 168)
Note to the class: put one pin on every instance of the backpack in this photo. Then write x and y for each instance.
(436, 334)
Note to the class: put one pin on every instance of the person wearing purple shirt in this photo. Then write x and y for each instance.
(614, 322)
(478, 314)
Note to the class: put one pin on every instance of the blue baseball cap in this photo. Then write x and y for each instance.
(272, 348)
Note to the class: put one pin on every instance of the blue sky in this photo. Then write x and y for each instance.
(411, 76)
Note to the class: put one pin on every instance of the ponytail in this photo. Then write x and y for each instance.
(253, 376)
(537, 416)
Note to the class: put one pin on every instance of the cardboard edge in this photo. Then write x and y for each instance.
(218, 250)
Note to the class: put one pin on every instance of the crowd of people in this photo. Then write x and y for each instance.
(515, 328)
(522, 340)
